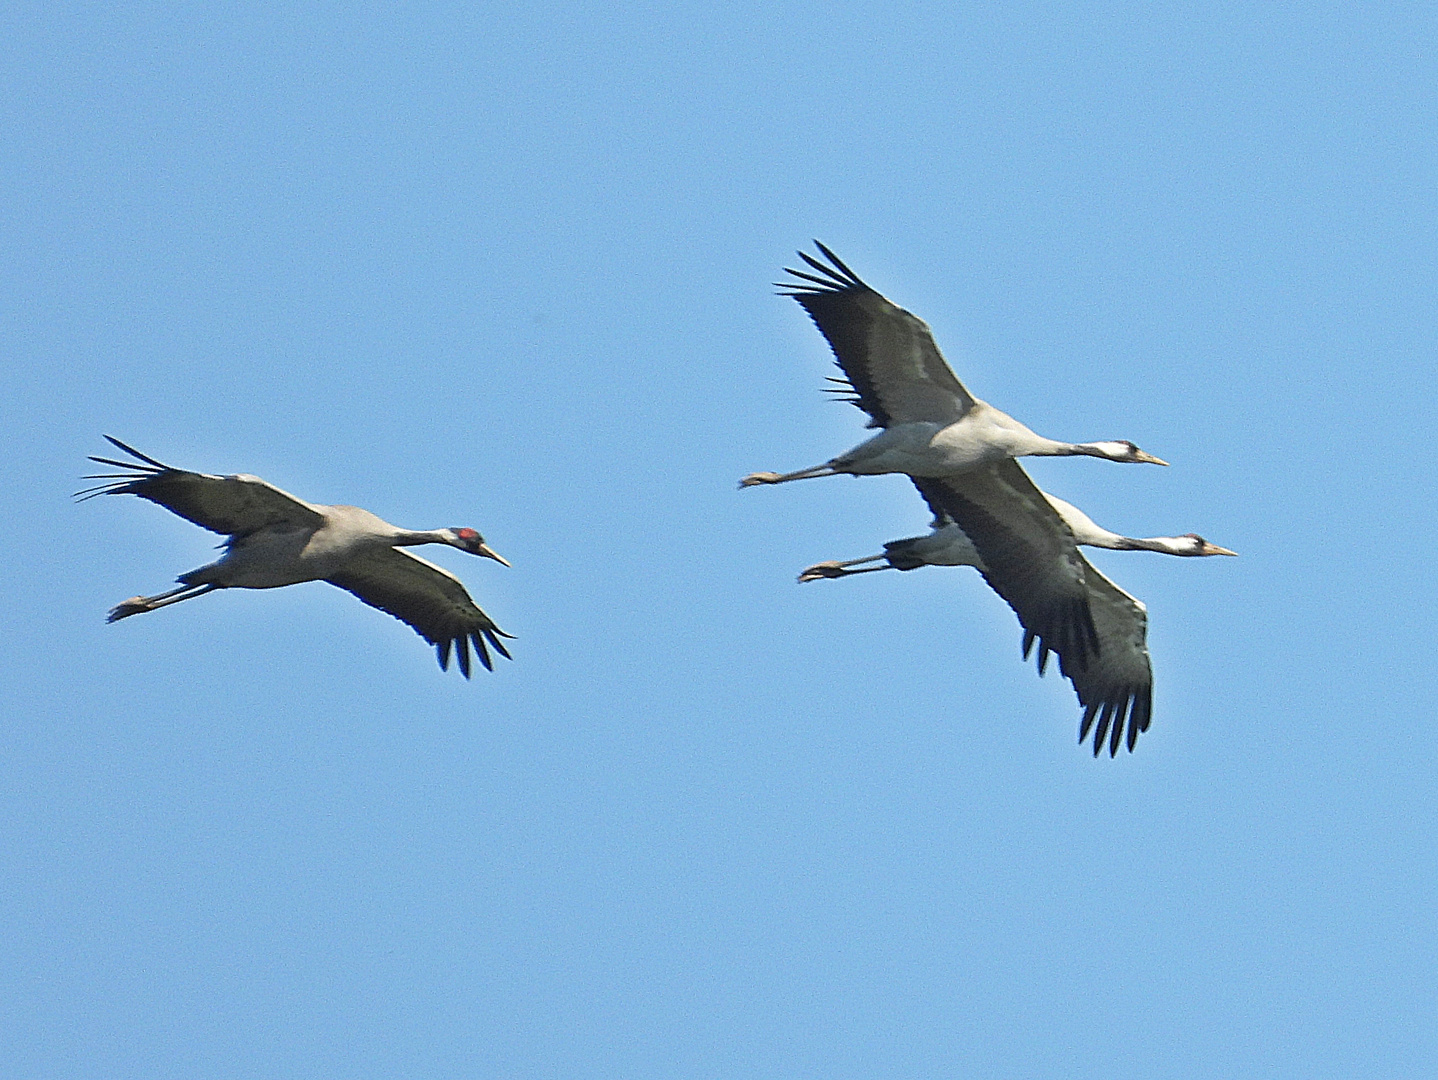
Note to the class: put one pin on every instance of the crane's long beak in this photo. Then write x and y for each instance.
(488, 553)
(1145, 456)
(1214, 549)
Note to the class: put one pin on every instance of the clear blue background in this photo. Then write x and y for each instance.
(509, 267)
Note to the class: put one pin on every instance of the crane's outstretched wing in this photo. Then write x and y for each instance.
(429, 598)
(1114, 682)
(1030, 557)
(888, 356)
(1118, 683)
(235, 505)
(941, 516)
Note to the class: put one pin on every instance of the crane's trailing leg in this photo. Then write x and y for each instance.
(137, 604)
(835, 569)
(755, 479)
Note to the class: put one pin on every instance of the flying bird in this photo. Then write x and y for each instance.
(1115, 686)
(961, 453)
(948, 545)
(275, 539)
(935, 429)
(932, 425)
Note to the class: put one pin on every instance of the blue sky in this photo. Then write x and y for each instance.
(510, 268)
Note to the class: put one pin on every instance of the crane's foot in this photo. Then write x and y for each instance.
(830, 569)
(133, 606)
(755, 479)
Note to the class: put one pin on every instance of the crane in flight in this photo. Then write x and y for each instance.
(1114, 686)
(275, 539)
(932, 425)
(961, 452)
(948, 545)
(935, 429)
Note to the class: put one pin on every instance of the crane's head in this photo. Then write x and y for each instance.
(1123, 450)
(470, 541)
(1197, 545)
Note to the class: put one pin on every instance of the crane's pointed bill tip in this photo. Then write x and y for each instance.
(1214, 549)
(1150, 459)
(490, 553)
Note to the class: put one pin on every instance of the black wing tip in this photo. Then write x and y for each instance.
(146, 458)
(819, 284)
(1106, 719)
(136, 472)
(442, 650)
(493, 634)
(837, 277)
(116, 488)
(843, 391)
(482, 639)
(838, 262)
(115, 483)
